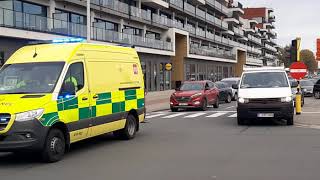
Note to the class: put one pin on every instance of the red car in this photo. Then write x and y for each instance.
(195, 94)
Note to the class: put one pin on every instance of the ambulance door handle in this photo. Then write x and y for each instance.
(95, 97)
(84, 98)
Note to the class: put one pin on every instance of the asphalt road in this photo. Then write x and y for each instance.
(188, 146)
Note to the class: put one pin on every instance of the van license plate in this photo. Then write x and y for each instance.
(265, 115)
(183, 104)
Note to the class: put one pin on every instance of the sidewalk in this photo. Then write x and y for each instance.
(160, 100)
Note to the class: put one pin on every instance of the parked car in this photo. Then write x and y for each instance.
(225, 92)
(230, 82)
(307, 87)
(316, 89)
(294, 91)
(195, 94)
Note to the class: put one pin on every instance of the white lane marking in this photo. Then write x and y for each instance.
(233, 115)
(310, 112)
(230, 107)
(195, 115)
(217, 114)
(173, 115)
(155, 115)
(223, 111)
(310, 126)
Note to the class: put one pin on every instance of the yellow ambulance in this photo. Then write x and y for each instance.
(58, 93)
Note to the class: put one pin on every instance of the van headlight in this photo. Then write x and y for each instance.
(243, 100)
(286, 99)
(29, 115)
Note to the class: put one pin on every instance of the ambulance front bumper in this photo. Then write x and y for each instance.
(24, 136)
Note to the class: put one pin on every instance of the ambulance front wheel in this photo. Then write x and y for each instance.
(130, 129)
(55, 146)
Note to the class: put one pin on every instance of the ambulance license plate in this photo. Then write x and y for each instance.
(265, 115)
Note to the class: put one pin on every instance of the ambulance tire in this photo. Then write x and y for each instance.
(55, 146)
(130, 129)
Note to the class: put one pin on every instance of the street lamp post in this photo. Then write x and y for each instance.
(88, 21)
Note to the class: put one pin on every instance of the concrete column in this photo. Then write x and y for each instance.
(144, 32)
(88, 21)
(173, 16)
(158, 12)
(51, 11)
(121, 25)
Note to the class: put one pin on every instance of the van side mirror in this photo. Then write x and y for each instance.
(235, 86)
(68, 88)
(294, 84)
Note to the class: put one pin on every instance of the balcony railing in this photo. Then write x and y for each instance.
(161, 20)
(201, 13)
(190, 29)
(19, 20)
(140, 13)
(189, 8)
(212, 52)
(177, 3)
(200, 32)
(254, 60)
(117, 37)
(113, 4)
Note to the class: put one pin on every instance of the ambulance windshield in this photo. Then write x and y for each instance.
(29, 78)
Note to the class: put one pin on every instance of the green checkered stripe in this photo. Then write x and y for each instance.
(65, 105)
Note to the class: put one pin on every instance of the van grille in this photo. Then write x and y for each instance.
(4, 121)
(265, 100)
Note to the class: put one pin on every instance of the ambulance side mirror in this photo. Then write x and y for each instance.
(68, 89)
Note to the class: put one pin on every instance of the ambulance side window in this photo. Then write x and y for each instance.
(75, 75)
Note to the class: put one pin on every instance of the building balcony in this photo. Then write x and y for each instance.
(269, 56)
(200, 32)
(254, 39)
(211, 52)
(200, 13)
(176, 3)
(236, 7)
(189, 8)
(254, 50)
(115, 5)
(238, 31)
(253, 60)
(271, 48)
(140, 13)
(156, 3)
(99, 34)
(190, 29)
(30, 22)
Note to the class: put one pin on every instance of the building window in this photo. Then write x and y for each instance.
(132, 30)
(152, 35)
(105, 25)
(70, 17)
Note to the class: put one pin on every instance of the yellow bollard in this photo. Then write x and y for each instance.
(298, 101)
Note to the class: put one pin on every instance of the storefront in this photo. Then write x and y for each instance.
(157, 71)
(207, 70)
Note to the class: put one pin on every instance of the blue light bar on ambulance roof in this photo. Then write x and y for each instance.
(68, 40)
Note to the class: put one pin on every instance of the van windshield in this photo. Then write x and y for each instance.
(29, 78)
(264, 80)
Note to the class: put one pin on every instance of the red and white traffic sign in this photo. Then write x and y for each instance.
(298, 70)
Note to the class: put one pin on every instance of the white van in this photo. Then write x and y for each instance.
(264, 93)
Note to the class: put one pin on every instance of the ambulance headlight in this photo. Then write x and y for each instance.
(29, 115)
(286, 99)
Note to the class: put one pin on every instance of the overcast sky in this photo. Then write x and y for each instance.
(294, 18)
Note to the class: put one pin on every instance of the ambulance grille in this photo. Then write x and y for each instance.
(4, 121)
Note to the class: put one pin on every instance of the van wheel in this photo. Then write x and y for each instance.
(290, 121)
(216, 104)
(229, 98)
(241, 121)
(55, 146)
(130, 129)
(235, 98)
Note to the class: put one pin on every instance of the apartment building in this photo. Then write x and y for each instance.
(199, 39)
(265, 23)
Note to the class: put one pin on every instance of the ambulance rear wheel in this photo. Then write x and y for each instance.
(130, 129)
(55, 146)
